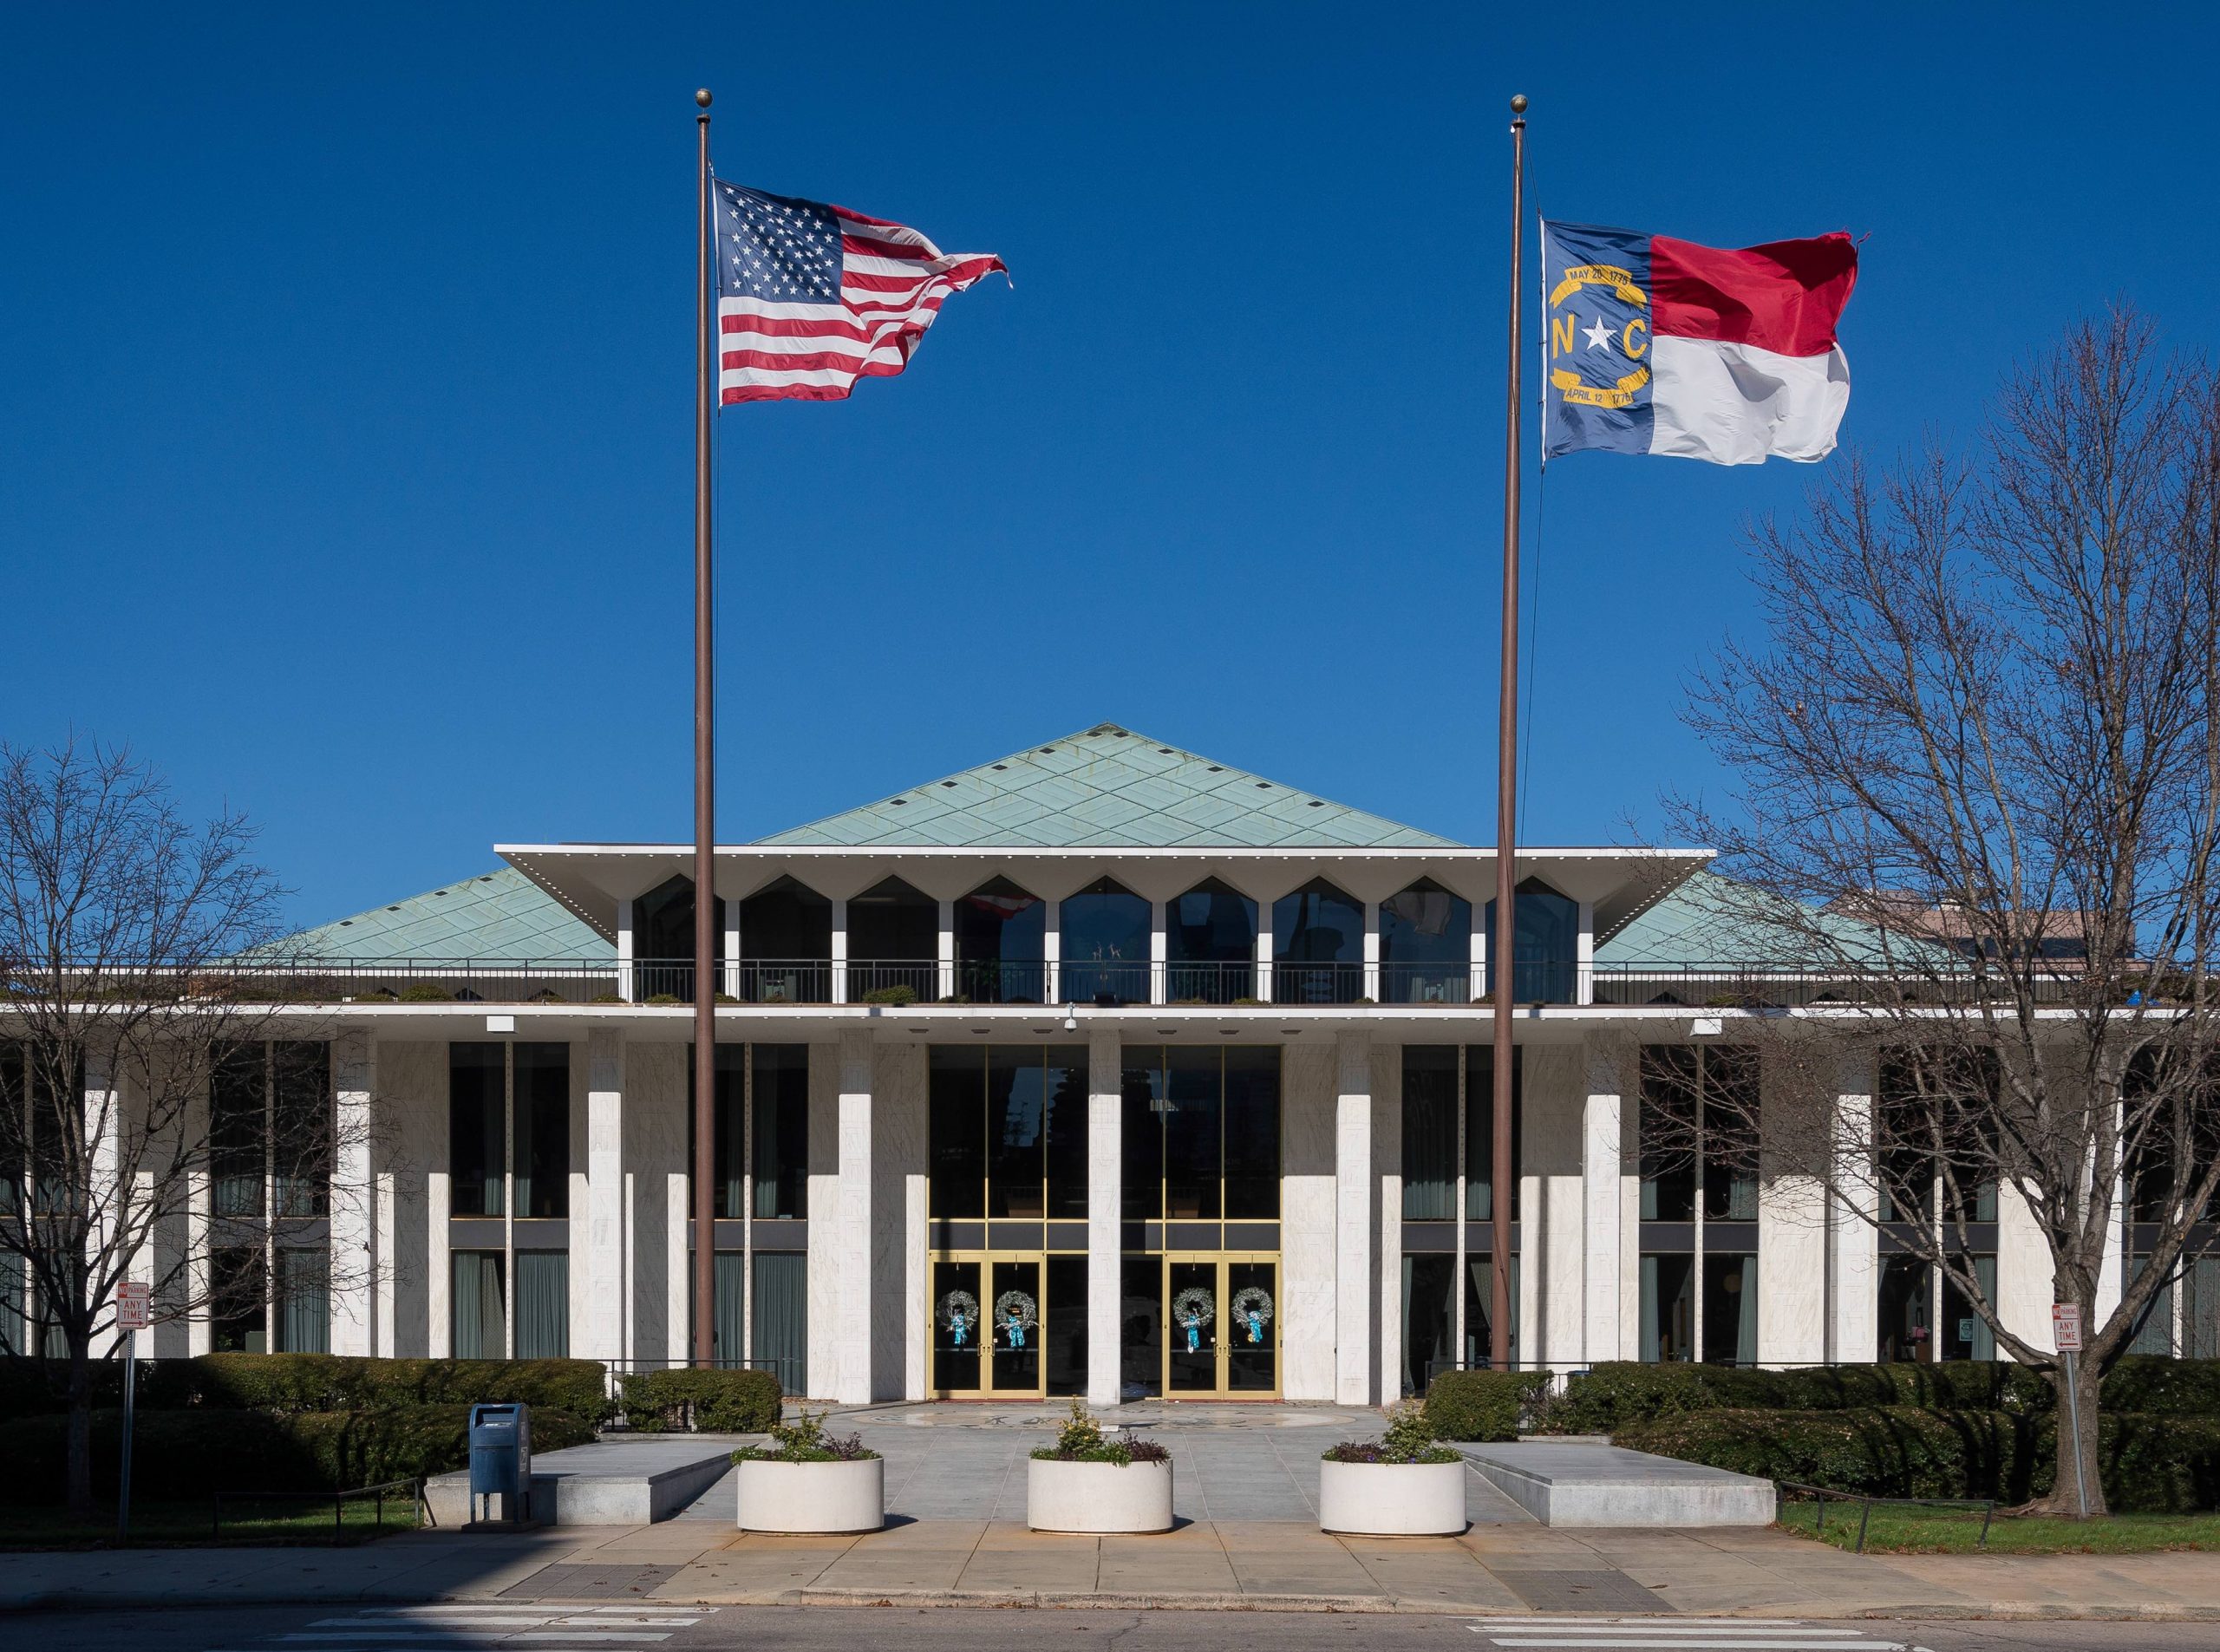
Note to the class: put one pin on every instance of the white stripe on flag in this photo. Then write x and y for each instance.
(1735, 404)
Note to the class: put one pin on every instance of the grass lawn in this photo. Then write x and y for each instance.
(1955, 1532)
(189, 1524)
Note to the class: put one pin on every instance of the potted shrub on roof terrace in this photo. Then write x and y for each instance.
(1087, 1481)
(1403, 1484)
(806, 1481)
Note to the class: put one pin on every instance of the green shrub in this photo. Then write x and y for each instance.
(2158, 1387)
(1599, 1400)
(1484, 1405)
(2146, 1465)
(184, 1454)
(425, 992)
(895, 995)
(306, 1382)
(804, 1440)
(713, 1401)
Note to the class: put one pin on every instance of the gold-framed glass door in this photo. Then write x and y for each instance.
(1221, 1328)
(988, 1314)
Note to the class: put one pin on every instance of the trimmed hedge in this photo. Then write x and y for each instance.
(712, 1402)
(1622, 1393)
(2147, 1464)
(1482, 1405)
(192, 1453)
(309, 1382)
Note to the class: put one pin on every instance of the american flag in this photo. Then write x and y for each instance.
(812, 297)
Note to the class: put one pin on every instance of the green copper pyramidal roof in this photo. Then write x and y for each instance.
(496, 917)
(1108, 787)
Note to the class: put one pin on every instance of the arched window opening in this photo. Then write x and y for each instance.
(1104, 937)
(1547, 947)
(1210, 944)
(893, 944)
(1426, 946)
(1317, 946)
(663, 942)
(1002, 949)
(786, 944)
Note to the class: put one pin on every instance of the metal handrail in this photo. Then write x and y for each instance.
(1986, 1505)
(339, 1501)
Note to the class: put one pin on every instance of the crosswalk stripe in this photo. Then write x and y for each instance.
(1663, 1624)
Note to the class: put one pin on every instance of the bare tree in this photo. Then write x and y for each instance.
(1977, 792)
(127, 1024)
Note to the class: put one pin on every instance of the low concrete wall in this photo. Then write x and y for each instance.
(1583, 1485)
(609, 1483)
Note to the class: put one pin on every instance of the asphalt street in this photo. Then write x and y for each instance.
(519, 1626)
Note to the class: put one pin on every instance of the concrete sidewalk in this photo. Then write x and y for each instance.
(1211, 1564)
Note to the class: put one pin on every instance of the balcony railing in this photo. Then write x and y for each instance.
(1101, 983)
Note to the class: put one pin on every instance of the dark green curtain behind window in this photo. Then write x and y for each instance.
(11, 1306)
(782, 1317)
(542, 1304)
(303, 1300)
(729, 1271)
(2201, 1309)
(479, 1322)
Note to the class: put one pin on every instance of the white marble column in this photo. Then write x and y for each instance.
(1610, 1086)
(1106, 1104)
(2111, 1273)
(1387, 1153)
(1160, 982)
(1353, 1247)
(1553, 1206)
(604, 1255)
(2025, 1282)
(944, 950)
(1792, 1242)
(1371, 951)
(357, 1264)
(840, 993)
(625, 988)
(103, 1114)
(1263, 989)
(1853, 1243)
(852, 1219)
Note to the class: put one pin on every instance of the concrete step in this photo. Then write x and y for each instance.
(629, 1480)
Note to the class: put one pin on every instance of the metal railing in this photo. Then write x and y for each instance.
(337, 1499)
(1755, 984)
(1986, 1505)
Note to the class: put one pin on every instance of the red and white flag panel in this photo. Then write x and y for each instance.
(1662, 346)
(812, 297)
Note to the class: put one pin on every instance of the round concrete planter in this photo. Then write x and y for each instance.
(812, 1496)
(1098, 1497)
(1392, 1499)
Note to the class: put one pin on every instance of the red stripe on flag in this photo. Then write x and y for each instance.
(1785, 297)
(886, 248)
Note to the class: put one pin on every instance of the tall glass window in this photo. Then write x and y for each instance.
(663, 941)
(1210, 944)
(1006, 1130)
(1201, 1132)
(786, 944)
(1696, 1128)
(1317, 946)
(1430, 1102)
(476, 1103)
(1105, 945)
(1479, 1130)
(1426, 946)
(1966, 1334)
(781, 1130)
(1546, 944)
(237, 1131)
(541, 1153)
(301, 1123)
(1001, 945)
(894, 941)
(478, 1306)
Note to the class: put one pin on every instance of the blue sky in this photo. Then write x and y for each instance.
(345, 385)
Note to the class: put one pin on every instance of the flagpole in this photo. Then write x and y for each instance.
(705, 808)
(1503, 1176)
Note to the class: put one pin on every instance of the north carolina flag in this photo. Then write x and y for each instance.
(1659, 346)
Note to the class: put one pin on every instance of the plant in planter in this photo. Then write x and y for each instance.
(1087, 1481)
(807, 1480)
(894, 994)
(1405, 1483)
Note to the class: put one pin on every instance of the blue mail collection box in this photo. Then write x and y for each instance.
(500, 1456)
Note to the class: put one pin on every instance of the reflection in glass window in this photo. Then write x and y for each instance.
(1006, 1130)
(786, 944)
(1426, 946)
(1001, 944)
(236, 1130)
(475, 1105)
(1201, 1135)
(1105, 939)
(542, 1161)
(1479, 1130)
(1547, 945)
(1430, 1139)
(1317, 946)
(1210, 944)
(663, 941)
(893, 941)
(1730, 1310)
(1668, 1329)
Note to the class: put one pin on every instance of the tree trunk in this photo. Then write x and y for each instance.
(80, 1490)
(2065, 1491)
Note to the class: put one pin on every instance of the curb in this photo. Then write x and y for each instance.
(74, 1599)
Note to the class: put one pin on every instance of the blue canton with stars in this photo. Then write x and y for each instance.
(776, 249)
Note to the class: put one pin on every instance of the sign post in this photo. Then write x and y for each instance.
(2066, 1334)
(133, 1307)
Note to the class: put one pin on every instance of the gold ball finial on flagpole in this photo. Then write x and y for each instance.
(701, 98)
(1518, 103)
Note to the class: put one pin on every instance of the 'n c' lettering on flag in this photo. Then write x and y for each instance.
(1655, 345)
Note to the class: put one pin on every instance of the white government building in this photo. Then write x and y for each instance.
(1100, 1068)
